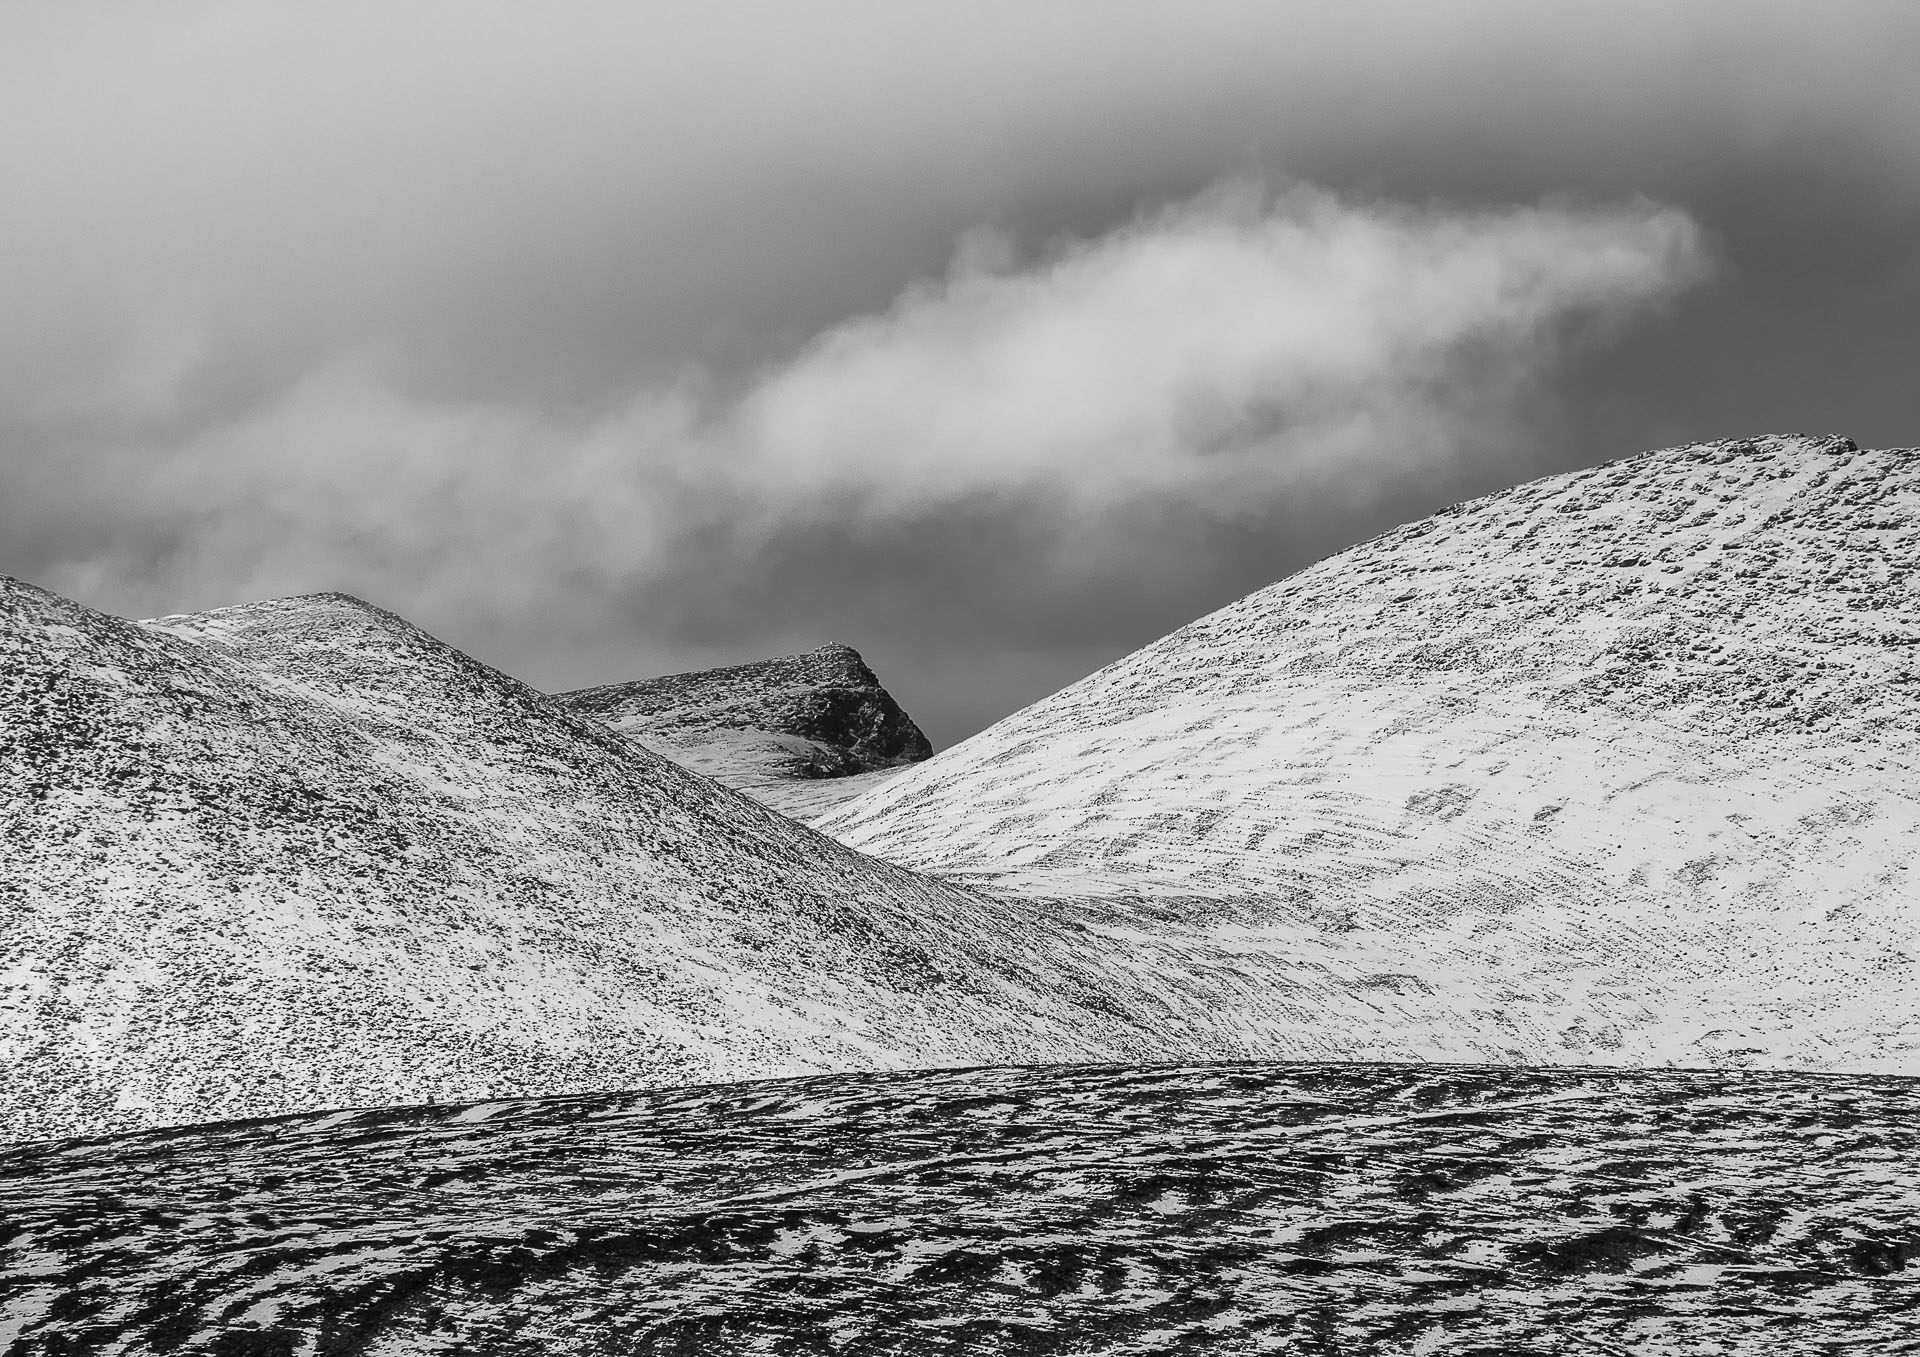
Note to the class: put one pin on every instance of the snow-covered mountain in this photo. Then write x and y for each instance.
(1622, 765)
(300, 854)
(801, 734)
(1226, 1209)
(1615, 767)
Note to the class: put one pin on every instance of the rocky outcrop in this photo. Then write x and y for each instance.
(801, 734)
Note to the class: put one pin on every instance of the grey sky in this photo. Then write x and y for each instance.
(993, 339)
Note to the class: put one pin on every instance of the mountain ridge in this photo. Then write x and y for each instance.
(801, 733)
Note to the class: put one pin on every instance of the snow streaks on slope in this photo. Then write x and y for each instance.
(1619, 765)
(300, 854)
(1312, 1209)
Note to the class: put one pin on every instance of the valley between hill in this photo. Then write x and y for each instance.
(1613, 768)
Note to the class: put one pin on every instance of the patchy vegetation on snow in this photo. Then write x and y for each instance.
(801, 734)
(1619, 766)
(300, 854)
(1314, 1209)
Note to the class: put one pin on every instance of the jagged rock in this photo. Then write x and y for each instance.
(801, 734)
(1622, 765)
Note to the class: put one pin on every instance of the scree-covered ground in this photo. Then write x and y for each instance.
(1222, 1208)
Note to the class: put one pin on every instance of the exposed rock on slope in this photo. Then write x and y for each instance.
(1230, 1209)
(300, 854)
(1622, 765)
(801, 734)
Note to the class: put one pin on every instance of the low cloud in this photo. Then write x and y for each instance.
(590, 335)
(1089, 407)
(1215, 353)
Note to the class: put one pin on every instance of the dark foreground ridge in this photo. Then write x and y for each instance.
(1333, 1208)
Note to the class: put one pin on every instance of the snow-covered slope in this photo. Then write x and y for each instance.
(1621, 765)
(801, 734)
(300, 854)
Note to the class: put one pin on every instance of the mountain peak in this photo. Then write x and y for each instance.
(800, 732)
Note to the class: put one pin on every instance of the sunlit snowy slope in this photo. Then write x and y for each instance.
(299, 854)
(1622, 765)
(801, 734)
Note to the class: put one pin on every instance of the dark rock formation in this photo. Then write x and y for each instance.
(761, 726)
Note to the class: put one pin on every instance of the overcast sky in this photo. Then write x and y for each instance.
(994, 339)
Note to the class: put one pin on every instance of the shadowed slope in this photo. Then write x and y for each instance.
(299, 854)
(802, 734)
(1621, 765)
(1227, 1208)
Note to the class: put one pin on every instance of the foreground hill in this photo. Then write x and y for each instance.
(801, 734)
(1622, 765)
(300, 854)
(1227, 1208)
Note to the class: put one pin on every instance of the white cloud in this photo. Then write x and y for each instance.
(600, 185)
(391, 298)
(1213, 351)
(1207, 357)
